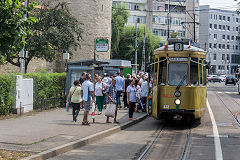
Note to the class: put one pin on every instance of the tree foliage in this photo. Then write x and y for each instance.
(57, 31)
(120, 17)
(14, 26)
(127, 44)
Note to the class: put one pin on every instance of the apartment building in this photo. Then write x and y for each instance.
(181, 15)
(219, 30)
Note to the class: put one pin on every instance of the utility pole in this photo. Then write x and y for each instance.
(143, 52)
(136, 46)
(24, 52)
(194, 26)
(168, 18)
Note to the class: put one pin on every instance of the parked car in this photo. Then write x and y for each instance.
(223, 78)
(213, 78)
(230, 80)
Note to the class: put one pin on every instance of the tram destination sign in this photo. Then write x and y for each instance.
(178, 59)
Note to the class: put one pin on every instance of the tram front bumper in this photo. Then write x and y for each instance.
(176, 111)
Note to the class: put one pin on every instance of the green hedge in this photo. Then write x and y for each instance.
(7, 93)
(49, 90)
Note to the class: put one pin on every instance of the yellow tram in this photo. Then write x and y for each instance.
(179, 81)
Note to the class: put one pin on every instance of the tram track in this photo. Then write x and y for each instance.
(226, 107)
(183, 155)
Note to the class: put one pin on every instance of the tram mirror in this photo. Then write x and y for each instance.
(208, 65)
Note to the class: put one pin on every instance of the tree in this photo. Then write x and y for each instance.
(120, 16)
(174, 35)
(14, 26)
(127, 44)
(56, 32)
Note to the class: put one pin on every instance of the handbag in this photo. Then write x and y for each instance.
(110, 110)
(69, 104)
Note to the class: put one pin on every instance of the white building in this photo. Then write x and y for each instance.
(219, 30)
(156, 15)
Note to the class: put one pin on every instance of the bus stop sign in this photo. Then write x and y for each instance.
(102, 45)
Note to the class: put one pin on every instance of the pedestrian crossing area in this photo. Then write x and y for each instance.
(227, 92)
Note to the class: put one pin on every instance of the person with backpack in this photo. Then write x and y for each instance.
(75, 98)
(100, 88)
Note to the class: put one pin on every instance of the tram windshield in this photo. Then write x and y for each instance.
(178, 74)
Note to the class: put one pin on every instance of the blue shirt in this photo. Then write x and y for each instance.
(119, 83)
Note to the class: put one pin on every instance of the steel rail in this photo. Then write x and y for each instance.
(187, 146)
(224, 104)
(159, 131)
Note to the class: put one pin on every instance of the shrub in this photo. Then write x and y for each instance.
(7, 93)
(48, 90)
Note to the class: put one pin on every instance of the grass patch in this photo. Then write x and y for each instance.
(13, 155)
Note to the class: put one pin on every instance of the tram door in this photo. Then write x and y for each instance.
(155, 89)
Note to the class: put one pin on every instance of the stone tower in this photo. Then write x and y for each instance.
(96, 18)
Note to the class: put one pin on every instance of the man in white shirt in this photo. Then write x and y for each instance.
(120, 85)
(144, 92)
(88, 97)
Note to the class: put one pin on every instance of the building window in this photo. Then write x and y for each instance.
(220, 17)
(228, 37)
(233, 47)
(223, 46)
(223, 27)
(236, 28)
(215, 26)
(228, 46)
(236, 19)
(220, 27)
(215, 56)
(232, 38)
(223, 37)
(219, 46)
(215, 45)
(228, 19)
(215, 36)
(228, 28)
(236, 47)
(210, 45)
(227, 56)
(210, 26)
(210, 16)
(224, 18)
(223, 56)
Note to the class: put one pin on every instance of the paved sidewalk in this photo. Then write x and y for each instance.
(45, 130)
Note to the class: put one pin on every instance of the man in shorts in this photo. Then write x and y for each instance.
(88, 97)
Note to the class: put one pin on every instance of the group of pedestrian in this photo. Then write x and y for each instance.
(108, 91)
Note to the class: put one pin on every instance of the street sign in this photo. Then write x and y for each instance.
(102, 45)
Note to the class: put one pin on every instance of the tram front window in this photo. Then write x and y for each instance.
(178, 74)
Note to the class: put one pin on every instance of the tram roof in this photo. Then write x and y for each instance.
(186, 48)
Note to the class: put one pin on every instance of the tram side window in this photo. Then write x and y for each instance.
(194, 72)
(155, 71)
(162, 71)
(204, 73)
(200, 71)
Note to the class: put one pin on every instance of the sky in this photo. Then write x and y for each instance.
(220, 4)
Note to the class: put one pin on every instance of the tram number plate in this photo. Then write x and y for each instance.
(178, 46)
(166, 106)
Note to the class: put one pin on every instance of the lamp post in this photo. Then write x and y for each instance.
(136, 45)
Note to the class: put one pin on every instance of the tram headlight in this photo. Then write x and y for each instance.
(177, 101)
(177, 93)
